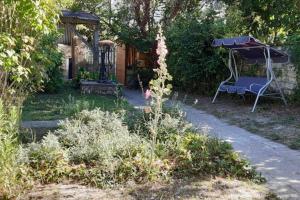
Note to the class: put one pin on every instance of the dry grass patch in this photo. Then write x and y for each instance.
(209, 189)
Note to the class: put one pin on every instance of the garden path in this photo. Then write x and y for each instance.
(277, 163)
(40, 124)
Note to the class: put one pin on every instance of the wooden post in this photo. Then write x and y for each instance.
(96, 48)
(73, 42)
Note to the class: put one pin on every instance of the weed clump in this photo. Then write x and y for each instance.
(46, 161)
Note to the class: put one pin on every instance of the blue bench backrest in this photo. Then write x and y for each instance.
(246, 81)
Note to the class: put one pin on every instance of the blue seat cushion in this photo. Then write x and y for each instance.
(244, 84)
(233, 89)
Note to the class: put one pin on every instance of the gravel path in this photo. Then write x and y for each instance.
(277, 163)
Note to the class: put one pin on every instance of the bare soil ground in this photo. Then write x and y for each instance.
(210, 189)
(271, 119)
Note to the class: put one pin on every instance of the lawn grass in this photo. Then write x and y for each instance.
(66, 103)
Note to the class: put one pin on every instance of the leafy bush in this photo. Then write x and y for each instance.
(48, 54)
(73, 105)
(96, 148)
(46, 161)
(10, 184)
(199, 154)
(193, 63)
(95, 136)
(294, 45)
(143, 75)
(105, 151)
(84, 74)
(195, 154)
(131, 165)
(21, 73)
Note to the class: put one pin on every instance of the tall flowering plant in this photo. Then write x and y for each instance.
(159, 87)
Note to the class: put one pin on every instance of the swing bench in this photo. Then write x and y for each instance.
(253, 52)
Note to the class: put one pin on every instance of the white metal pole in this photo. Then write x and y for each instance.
(228, 79)
(235, 66)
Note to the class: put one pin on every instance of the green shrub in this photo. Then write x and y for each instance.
(143, 75)
(96, 148)
(106, 152)
(84, 74)
(294, 45)
(199, 154)
(189, 153)
(10, 183)
(194, 64)
(48, 54)
(95, 136)
(47, 161)
(173, 125)
(73, 105)
(131, 165)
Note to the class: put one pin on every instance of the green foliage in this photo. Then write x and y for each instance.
(10, 184)
(86, 75)
(269, 20)
(294, 46)
(143, 75)
(96, 148)
(46, 161)
(48, 55)
(192, 153)
(136, 22)
(199, 154)
(72, 106)
(133, 165)
(22, 25)
(192, 61)
(95, 136)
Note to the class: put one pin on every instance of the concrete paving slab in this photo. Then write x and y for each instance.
(40, 124)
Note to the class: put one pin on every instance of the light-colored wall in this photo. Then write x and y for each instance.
(286, 76)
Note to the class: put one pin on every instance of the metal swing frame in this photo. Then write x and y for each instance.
(269, 71)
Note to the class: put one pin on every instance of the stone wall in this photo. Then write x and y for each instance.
(286, 76)
(285, 73)
(93, 87)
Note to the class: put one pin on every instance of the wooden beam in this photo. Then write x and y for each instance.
(73, 42)
(65, 20)
(96, 40)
